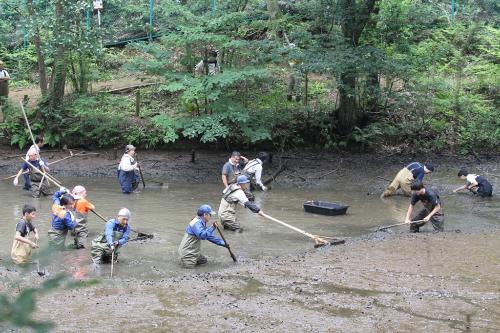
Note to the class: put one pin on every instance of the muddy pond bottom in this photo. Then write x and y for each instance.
(166, 211)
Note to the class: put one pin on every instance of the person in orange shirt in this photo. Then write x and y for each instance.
(82, 208)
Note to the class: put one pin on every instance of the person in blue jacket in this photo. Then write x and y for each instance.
(63, 218)
(116, 234)
(196, 231)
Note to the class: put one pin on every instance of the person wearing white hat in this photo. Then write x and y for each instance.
(127, 176)
(4, 83)
(197, 230)
(115, 235)
(235, 194)
(82, 208)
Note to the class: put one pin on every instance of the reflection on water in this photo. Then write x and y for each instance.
(166, 212)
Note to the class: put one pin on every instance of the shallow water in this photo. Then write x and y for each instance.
(166, 211)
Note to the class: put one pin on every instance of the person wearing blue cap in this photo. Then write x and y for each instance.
(235, 194)
(406, 176)
(197, 230)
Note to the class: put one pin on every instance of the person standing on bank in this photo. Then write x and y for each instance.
(475, 183)
(406, 176)
(4, 83)
(116, 234)
(22, 245)
(39, 143)
(234, 194)
(63, 218)
(232, 168)
(127, 176)
(197, 230)
(431, 211)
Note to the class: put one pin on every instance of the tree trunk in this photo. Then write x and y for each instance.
(42, 69)
(58, 79)
(354, 21)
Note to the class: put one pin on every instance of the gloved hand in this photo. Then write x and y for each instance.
(116, 244)
(264, 188)
(15, 181)
(63, 189)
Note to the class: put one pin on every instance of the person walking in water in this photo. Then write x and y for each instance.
(405, 177)
(22, 245)
(116, 234)
(234, 194)
(475, 183)
(39, 184)
(197, 230)
(63, 218)
(431, 211)
(127, 176)
(82, 208)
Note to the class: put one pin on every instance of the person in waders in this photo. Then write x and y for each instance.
(475, 183)
(39, 184)
(4, 83)
(82, 208)
(127, 176)
(39, 143)
(405, 177)
(253, 171)
(234, 194)
(22, 245)
(432, 207)
(197, 230)
(115, 235)
(63, 218)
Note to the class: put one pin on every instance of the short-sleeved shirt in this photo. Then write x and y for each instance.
(24, 227)
(231, 171)
(417, 170)
(429, 198)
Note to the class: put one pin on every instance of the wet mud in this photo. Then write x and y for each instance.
(376, 282)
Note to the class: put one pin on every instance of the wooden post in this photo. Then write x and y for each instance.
(193, 156)
(137, 102)
(306, 88)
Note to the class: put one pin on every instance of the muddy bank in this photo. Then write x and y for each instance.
(302, 168)
(426, 282)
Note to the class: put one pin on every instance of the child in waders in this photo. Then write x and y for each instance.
(475, 183)
(82, 208)
(63, 218)
(22, 245)
(39, 183)
(197, 230)
(115, 235)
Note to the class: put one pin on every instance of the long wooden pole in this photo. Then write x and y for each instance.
(112, 262)
(49, 177)
(398, 224)
(290, 226)
(225, 241)
(140, 172)
(27, 123)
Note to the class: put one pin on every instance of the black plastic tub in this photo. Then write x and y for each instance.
(325, 208)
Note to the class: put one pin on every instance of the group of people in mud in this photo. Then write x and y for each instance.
(239, 177)
(410, 180)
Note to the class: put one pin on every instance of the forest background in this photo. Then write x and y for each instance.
(376, 75)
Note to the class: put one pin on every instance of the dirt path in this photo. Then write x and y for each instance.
(34, 94)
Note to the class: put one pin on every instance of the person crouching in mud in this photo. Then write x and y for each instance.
(431, 211)
(235, 194)
(197, 230)
(127, 176)
(115, 235)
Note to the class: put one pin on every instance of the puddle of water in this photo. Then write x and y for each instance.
(167, 211)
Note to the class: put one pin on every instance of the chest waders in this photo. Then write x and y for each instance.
(437, 219)
(39, 184)
(81, 231)
(403, 180)
(100, 251)
(20, 252)
(251, 177)
(190, 249)
(227, 209)
(57, 237)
